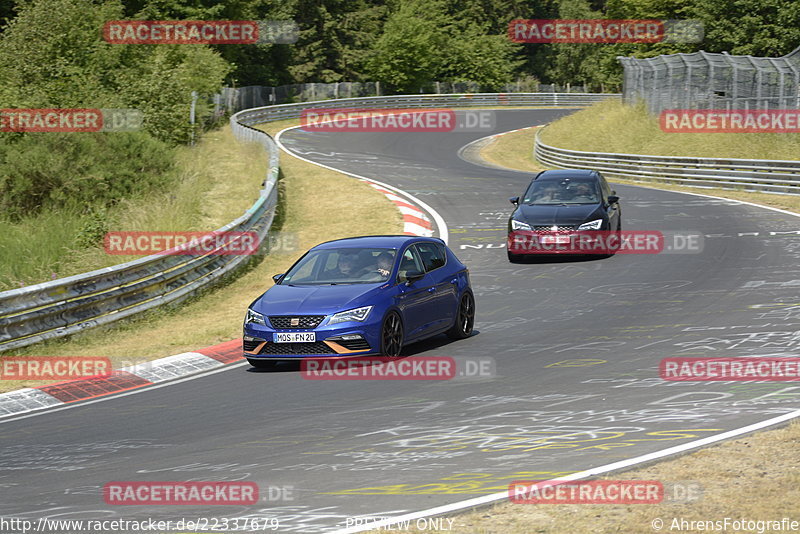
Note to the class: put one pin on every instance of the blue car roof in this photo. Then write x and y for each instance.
(384, 241)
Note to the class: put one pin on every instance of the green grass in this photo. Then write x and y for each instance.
(611, 126)
(215, 182)
(34, 249)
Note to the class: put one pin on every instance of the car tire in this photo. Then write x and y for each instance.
(514, 258)
(465, 317)
(261, 364)
(392, 335)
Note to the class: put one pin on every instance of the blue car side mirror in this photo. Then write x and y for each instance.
(414, 276)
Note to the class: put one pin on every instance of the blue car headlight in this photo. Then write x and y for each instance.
(591, 225)
(357, 314)
(519, 225)
(254, 317)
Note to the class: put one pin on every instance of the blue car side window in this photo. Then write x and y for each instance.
(409, 262)
(432, 256)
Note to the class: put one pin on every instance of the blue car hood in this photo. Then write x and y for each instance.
(314, 299)
(559, 215)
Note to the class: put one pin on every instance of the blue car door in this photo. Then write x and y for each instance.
(416, 300)
(444, 282)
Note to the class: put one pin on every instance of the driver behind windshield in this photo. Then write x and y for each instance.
(583, 192)
(544, 193)
(380, 270)
(345, 266)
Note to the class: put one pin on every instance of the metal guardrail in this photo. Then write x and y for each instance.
(292, 111)
(73, 304)
(749, 174)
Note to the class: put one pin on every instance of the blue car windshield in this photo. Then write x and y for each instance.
(568, 191)
(342, 266)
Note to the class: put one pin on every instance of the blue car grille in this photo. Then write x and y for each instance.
(318, 347)
(303, 321)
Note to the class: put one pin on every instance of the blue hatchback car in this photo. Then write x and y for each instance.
(360, 296)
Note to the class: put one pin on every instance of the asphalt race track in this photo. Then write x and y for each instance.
(576, 344)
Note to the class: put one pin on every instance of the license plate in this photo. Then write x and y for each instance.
(555, 239)
(294, 337)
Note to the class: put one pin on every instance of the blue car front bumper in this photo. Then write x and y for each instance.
(341, 340)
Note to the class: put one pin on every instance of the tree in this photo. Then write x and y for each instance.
(408, 54)
(756, 27)
(422, 42)
(53, 55)
(575, 62)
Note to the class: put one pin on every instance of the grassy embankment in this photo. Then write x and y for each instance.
(211, 184)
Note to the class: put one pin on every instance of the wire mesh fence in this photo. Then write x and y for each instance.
(231, 100)
(702, 80)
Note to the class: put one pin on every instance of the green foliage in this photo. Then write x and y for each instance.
(161, 86)
(575, 62)
(95, 225)
(763, 28)
(755, 27)
(409, 54)
(53, 170)
(422, 42)
(52, 55)
(335, 38)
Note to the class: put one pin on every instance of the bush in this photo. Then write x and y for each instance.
(39, 171)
